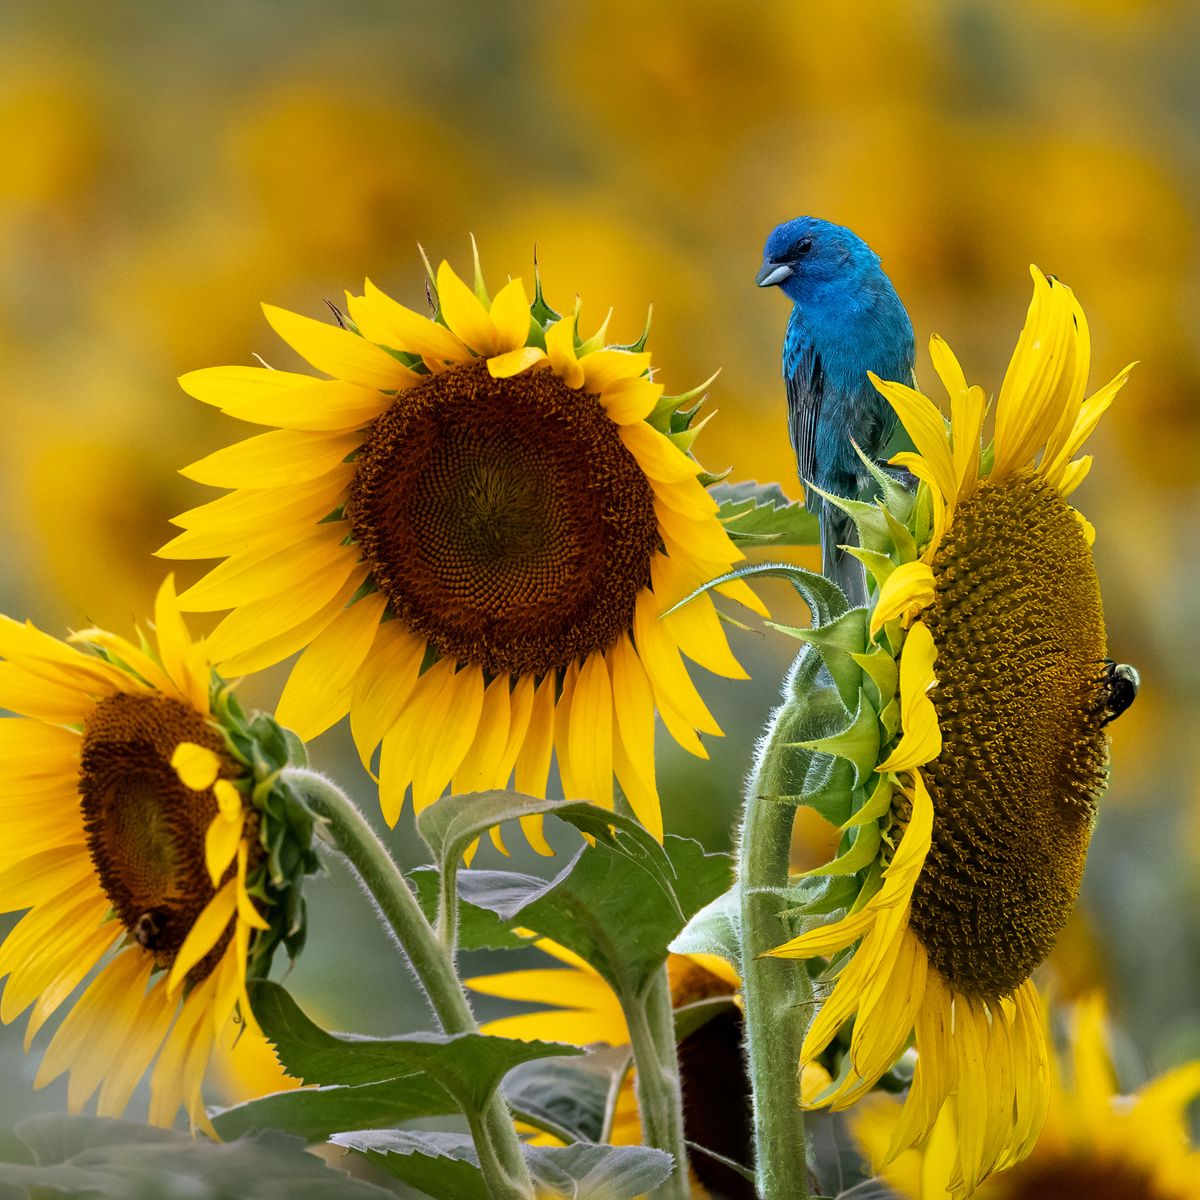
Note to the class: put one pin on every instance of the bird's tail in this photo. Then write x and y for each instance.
(837, 530)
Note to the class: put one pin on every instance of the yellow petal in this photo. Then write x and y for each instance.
(381, 319)
(921, 741)
(704, 540)
(657, 455)
(465, 314)
(629, 402)
(481, 763)
(226, 387)
(258, 635)
(246, 578)
(318, 691)
(591, 733)
(204, 934)
(275, 459)
(320, 406)
(562, 730)
(196, 766)
(608, 367)
(696, 628)
(175, 647)
(947, 367)
(504, 366)
(927, 428)
(560, 348)
(338, 352)
(452, 723)
(905, 592)
(533, 760)
(220, 844)
(384, 685)
(398, 754)
(510, 315)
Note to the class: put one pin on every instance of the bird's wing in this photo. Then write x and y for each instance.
(805, 391)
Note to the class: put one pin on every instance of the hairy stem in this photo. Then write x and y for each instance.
(495, 1137)
(777, 992)
(651, 1022)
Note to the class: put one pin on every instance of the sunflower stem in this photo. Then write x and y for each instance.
(500, 1155)
(651, 1022)
(777, 993)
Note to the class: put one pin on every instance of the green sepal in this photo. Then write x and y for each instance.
(539, 310)
(896, 497)
(876, 806)
(902, 538)
(596, 341)
(686, 438)
(825, 599)
(922, 515)
(837, 643)
(870, 888)
(882, 675)
(858, 743)
(889, 718)
(828, 788)
(480, 289)
(878, 565)
(639, 343)
(661, 416)
(861, 853)
(869, 520)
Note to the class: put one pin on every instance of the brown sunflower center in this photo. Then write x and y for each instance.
(1077, 1178)
(145, 829)
(504, 519)
(1021, 699)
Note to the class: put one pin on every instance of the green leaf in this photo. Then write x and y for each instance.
(690, 1017)
(314, 1113)
(825, 600)
(478, 928)
(102, 1157)
(760, 512)
(714, 930)
(451, 824)
(468, 1065)
(571, 1098)
(445, 1165)
(607, 909)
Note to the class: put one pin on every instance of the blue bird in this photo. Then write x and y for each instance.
(846, 320)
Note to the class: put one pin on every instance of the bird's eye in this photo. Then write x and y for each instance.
(802, 248)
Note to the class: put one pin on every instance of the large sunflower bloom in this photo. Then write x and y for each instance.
(473, 530)
(129, 840)
(985, 664)
(1096, 1142)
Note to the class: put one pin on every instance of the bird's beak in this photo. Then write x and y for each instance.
(771, 273)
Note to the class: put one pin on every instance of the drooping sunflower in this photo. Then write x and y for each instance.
(1096, 1142)
(979, 744)
(133, 839)
(472, 529)
(715, 1089)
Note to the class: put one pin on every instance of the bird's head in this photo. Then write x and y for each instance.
(805, 255)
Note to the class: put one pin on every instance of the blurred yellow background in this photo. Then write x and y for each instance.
(164, 169)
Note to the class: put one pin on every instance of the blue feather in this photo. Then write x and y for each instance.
(846, 320)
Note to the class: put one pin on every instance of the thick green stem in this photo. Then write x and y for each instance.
(651, 1022)
(496, 1140)
(777, 992)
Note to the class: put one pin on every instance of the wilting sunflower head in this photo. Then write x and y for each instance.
(473, 529)
(1096, 1145)
(977, 690)
(150, 838)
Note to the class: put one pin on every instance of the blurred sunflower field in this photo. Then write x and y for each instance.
(163, 172)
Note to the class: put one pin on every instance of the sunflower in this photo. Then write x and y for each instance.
(472, 530)
(133, 844)
(1096, 1142)
(587, 1012)
(985, 682)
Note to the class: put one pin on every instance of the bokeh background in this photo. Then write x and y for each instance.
(163, 169)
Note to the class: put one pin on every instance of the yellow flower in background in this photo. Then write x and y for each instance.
(128, 842)
(986, 666)
(473, 530)
(1096, 1145)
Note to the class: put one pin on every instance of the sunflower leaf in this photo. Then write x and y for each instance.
(453, 823)
(445, 1164)
(761, 513)
(569, 1098)
(469, 1066)
(825, 600)
(103, 1157)
(605, 908)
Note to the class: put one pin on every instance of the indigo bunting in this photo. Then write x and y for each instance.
(846, 320)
